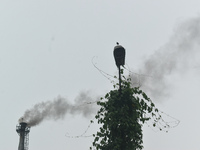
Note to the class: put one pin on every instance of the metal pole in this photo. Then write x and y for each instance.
(120, 80)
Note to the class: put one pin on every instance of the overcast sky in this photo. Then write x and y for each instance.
(47, 48)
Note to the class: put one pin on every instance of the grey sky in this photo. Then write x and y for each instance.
(46, 51)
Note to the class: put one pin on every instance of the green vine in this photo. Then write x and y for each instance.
(122, 115)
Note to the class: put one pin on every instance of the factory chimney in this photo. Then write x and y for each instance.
(23, 131)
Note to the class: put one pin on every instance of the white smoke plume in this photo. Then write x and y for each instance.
(176, 56)
(58, 108)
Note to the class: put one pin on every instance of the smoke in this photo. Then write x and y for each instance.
(175, 57)
(58, 108)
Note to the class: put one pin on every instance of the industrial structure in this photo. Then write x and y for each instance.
(23, 131)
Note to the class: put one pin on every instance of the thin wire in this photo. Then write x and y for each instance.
(83, 134)
(161, 124)
(102, 72)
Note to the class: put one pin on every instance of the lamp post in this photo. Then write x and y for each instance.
(119, 55)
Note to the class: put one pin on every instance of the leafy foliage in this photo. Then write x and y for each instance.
(122, 114)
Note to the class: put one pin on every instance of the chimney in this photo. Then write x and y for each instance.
(23, 131)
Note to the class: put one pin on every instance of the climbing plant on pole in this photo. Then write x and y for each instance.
(122, 115)
(123, 111)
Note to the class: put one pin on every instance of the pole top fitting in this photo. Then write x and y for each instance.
(119, 55)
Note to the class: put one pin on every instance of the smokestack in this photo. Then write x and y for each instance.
(23, 131)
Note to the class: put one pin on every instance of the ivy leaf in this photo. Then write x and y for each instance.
(152, 105)
(106, 96)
